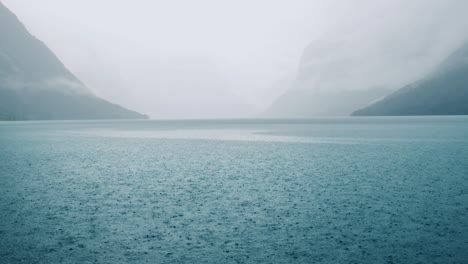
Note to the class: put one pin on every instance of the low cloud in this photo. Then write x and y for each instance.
(232, 58)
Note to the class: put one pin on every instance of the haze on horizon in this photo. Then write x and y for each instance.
(215, 59)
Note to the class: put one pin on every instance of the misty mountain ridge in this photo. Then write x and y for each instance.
(442, 92)
(34, 84)
(302, 103)
(332, 80)
(368, 54)
(28, 62)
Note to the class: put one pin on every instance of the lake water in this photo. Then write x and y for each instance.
(325, 190)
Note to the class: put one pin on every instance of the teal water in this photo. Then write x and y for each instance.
(336, 190)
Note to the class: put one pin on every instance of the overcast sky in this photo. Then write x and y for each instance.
(212, 58)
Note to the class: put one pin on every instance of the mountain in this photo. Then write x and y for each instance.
(330, 82)
(442, 92)
(358, 63)
(34, 84)
(306, 103)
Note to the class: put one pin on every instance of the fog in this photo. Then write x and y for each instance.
(212, 59)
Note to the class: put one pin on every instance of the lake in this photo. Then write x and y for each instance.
(324, 190)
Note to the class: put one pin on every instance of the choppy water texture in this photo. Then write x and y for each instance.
(340, 190)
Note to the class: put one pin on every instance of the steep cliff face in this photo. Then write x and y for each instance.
(34, 84)
(346, 70)
(332, 79)
(442, 92)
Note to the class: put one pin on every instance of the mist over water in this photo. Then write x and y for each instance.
(250, 131)
(208, 59)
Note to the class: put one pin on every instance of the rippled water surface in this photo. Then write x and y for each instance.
(337, 190)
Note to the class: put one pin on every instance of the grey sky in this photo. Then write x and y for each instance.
(213, 58)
